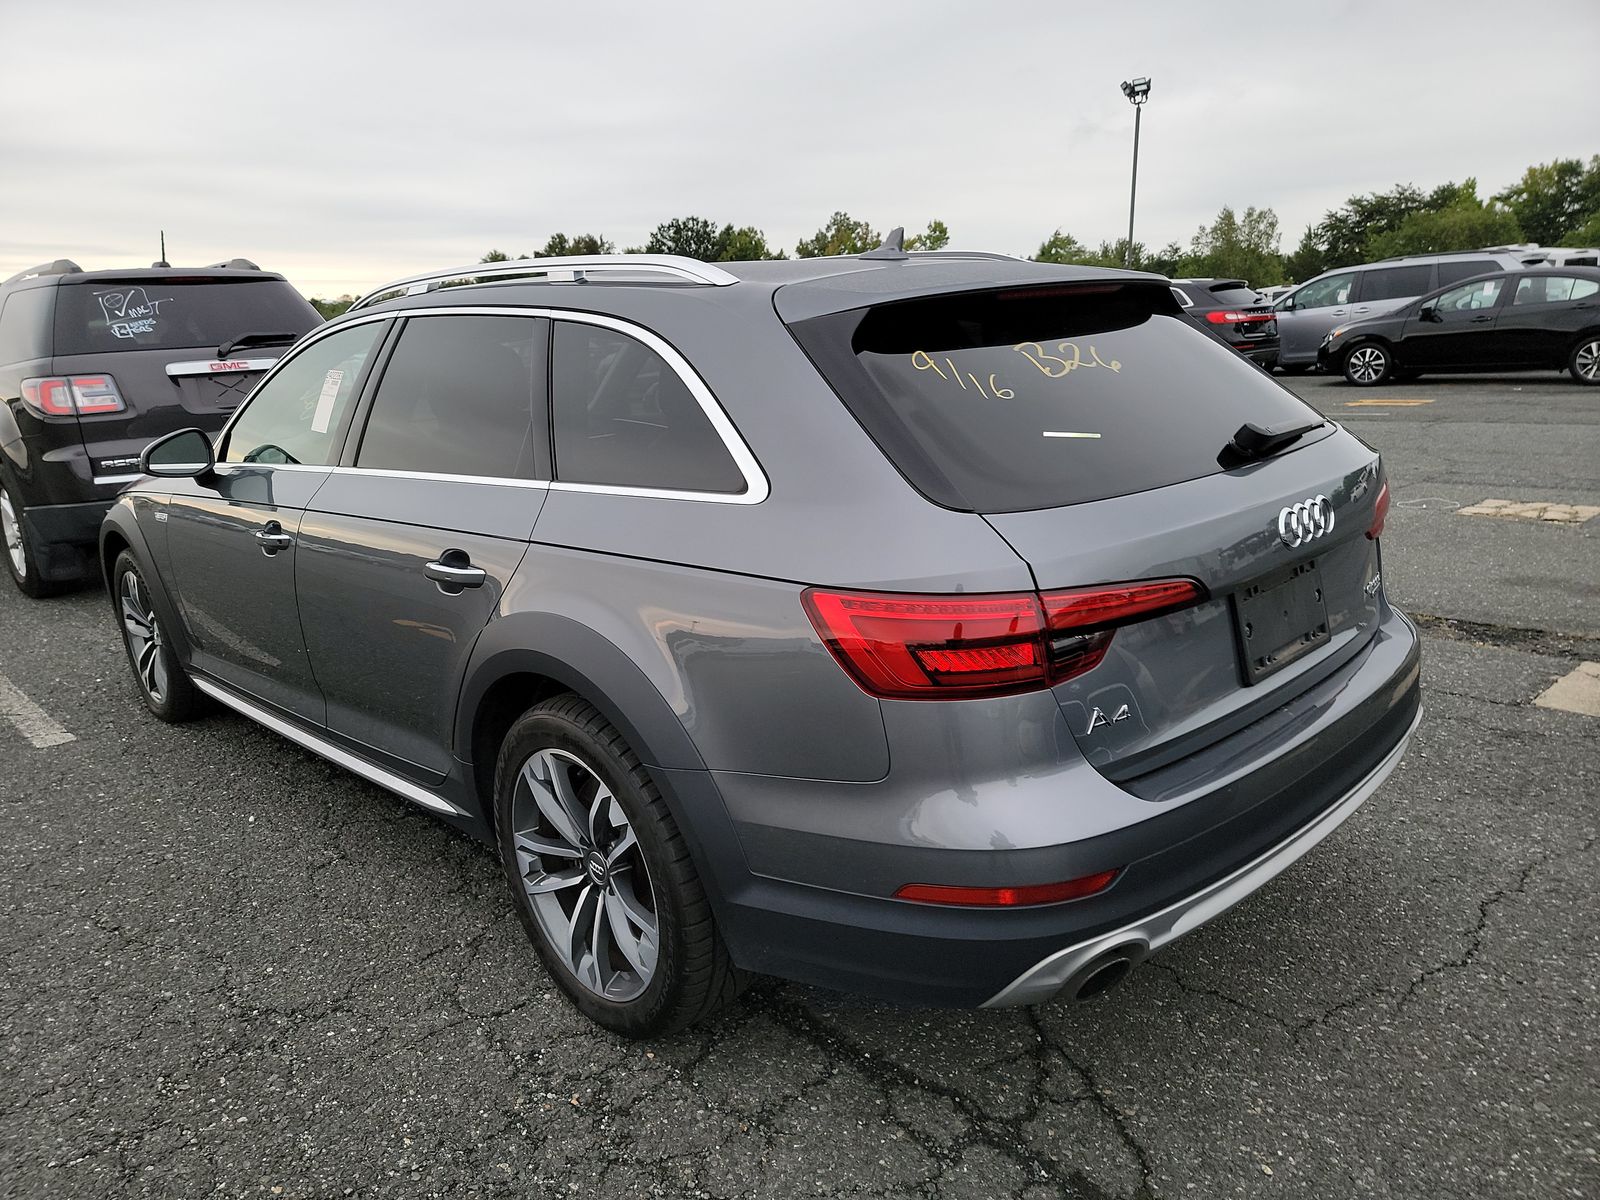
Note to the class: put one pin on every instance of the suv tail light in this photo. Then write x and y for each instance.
(1380, 512)
(904, 647)
(72, 395)
(1233, 318)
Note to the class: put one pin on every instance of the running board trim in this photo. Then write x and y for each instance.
(310, 741)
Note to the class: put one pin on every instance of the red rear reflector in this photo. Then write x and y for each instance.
(1380, 512)
(1007, 897)
(904, 647)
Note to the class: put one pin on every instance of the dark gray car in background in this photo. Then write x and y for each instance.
(94, 365)
(946, 627)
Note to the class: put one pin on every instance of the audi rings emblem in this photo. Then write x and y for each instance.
(1300, 523)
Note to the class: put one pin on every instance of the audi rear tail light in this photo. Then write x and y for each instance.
(1380, 512)
(919, 647)
(72, 395)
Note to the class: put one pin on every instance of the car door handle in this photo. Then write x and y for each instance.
(1481, 320)
(458, 573)
(272, 538)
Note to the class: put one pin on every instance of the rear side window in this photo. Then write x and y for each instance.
(1553, 289)
(457, 398)
(296, 415)
(623, 417)
(167, 314)
(25, 325)
(1018, 400)
(1449, 272)
(1397, 283)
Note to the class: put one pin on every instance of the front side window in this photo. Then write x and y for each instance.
(1396, 283)
(457, 398)
(1470, 296)
(1323, 293)
(624, 417)
(1552, 289)
(294, 416)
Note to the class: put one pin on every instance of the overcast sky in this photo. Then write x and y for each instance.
(348, 143)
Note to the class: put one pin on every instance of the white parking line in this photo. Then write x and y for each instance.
(1577, 691)
(32, 722)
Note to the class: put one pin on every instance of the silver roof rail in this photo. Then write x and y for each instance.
(61, 266)
(988, 254)
(561, 270)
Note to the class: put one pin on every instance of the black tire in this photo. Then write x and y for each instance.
(1368, 364)
(18, 549)
(1583, 363)
(161, 679)
(692, 974)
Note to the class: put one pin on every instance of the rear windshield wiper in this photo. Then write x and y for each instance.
(255, 339)
(1252, 442)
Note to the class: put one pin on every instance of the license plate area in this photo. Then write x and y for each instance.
(1280, 618)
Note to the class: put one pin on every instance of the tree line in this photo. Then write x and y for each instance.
(1553, 204)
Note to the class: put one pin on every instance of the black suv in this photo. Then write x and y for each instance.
(1233, 311)
(94, 365)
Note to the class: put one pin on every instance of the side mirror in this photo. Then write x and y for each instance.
(181, 455)
(1286, 304)
(1427, 313)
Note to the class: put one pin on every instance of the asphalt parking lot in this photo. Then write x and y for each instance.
(230, 968)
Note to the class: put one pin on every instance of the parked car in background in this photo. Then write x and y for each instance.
(1306, 314)
(1271, 294)
(944, 626)
(93, 365)
(1233, 311)
(1543, 318)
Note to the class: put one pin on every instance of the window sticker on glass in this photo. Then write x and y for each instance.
(130, 312)
(331, 382)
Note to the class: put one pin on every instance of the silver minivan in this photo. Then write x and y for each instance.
(1310, 311)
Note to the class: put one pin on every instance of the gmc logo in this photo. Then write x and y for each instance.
(237, 364)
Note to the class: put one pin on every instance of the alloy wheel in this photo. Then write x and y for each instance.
(11, 530)
(143, 631)
(1367, 364)
(1587, 361)
(584, 874)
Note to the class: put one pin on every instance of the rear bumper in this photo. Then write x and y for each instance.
(1044, 979)
(806, 884)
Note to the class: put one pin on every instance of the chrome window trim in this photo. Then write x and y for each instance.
(757, 487)
(334, 754)
(441, 477)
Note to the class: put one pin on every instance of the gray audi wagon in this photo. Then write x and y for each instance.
(945, 627)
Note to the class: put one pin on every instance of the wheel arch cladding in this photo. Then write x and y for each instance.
(524, 658)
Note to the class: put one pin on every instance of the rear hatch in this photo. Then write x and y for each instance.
(1244, 318)
(151, 338)
(1091, 426)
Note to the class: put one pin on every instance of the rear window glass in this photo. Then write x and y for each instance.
(92, 318)
(1236, 297)
(1010, 401)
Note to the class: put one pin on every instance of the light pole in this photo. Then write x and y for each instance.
(1137, 92)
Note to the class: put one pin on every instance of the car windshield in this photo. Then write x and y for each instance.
(1035, 398)
(161, 314)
